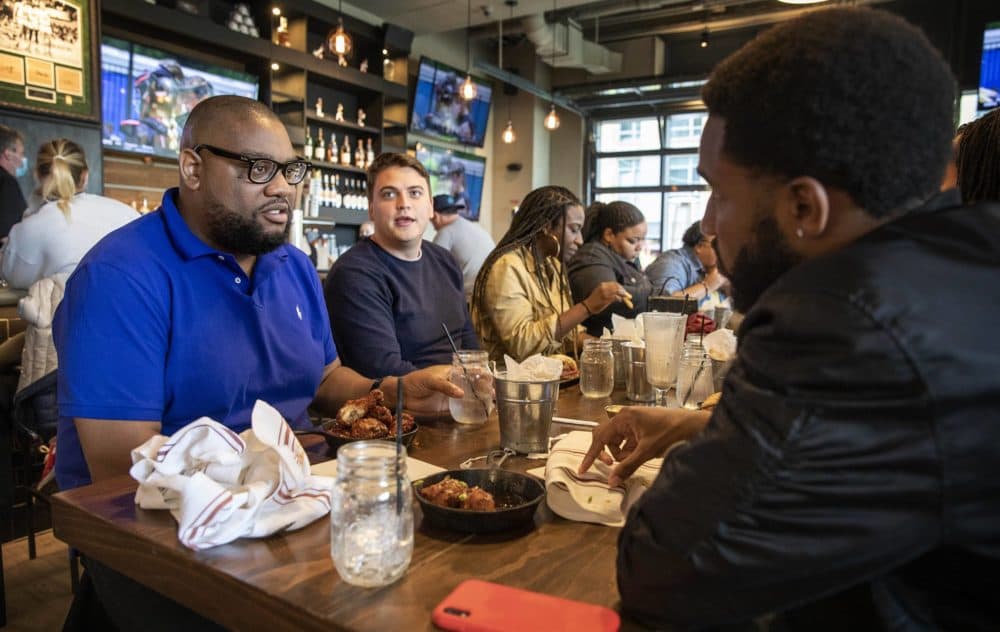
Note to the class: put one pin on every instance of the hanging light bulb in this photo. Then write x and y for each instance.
(468, 88)
(508, 136)
(551, 121)
(704, 38)
(339, 42)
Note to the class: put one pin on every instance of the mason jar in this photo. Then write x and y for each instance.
(694, 376)
(470, 371)
(597, 369)
(371, 519)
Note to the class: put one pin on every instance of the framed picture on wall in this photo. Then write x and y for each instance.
(48, 57)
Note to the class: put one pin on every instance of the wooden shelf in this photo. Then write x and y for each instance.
(318, 221)
(173, 22)
(329, 120)
(322, 164)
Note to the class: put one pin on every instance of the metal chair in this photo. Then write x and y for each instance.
(35, 417)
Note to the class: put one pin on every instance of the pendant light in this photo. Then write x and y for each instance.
(551, 121)
(704, 38)
(508, 135)
(468, 91)
(339, 42)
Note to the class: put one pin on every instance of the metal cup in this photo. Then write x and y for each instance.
(637, 387)
(525, 411)
(621, 367)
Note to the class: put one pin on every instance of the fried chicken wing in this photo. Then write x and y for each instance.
(478, 499)
(369, 428)
(446, 493)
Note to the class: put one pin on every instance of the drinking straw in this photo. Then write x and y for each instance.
(468, 380)
(399, 443)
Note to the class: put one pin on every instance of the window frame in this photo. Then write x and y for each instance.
(662, 187)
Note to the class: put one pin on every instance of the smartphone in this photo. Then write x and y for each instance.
(480, 606)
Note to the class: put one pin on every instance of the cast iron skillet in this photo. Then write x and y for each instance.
(517, 496)
(334, 441)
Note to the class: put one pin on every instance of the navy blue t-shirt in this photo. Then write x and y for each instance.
(157, 326)
(387, 313)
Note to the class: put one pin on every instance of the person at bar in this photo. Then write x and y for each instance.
(391, 295)
(55, 237)
(521, 304)
(201, 309)
(691, 270)
(13, 165)
(468, 242)
(613, 235)
(978, 159)
(847, 478)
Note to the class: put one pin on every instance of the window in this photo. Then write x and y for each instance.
(628, 134)
(652, 162)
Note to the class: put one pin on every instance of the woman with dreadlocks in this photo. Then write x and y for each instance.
(978, 159)
(613, 234)
(521, 303)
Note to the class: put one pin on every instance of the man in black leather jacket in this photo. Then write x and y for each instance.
(853, 458)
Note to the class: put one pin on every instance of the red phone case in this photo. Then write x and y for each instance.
(479, 606)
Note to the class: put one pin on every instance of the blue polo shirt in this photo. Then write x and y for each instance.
(157, 326)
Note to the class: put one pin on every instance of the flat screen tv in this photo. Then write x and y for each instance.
(440, 111)
(456, 173)
(989, 69)
(148, 93)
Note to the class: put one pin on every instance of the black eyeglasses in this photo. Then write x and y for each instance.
(263, 170)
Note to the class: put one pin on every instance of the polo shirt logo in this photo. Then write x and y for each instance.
(298, 311)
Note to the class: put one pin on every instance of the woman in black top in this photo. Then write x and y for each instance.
(613, 233)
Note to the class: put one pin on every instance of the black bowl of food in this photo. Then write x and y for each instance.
(335, 438)
(480, 500)
(363, 419)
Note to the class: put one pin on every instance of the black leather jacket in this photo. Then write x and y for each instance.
(856, 446)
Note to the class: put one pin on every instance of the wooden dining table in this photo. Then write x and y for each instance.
(288, 581)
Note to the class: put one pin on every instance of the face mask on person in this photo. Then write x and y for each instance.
(22, 170)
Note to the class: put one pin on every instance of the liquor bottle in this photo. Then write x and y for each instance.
(281, 35)
(345, 152)
(370, 154)
(331, 154)
(359, 155)
(338, 195)
(309, 144)
(320, 152)
(316, 193)
(324, 191)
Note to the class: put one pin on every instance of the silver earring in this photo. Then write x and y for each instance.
(799, 233)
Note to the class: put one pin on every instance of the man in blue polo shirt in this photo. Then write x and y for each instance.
(202, 308)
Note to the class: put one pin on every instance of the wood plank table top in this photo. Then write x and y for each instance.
(288, 581)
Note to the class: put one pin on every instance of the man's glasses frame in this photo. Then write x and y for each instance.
(295, 170)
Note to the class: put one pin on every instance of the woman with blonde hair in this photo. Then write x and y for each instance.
(521, 303)
(68, 224)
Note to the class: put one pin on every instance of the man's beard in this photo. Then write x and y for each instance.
(759, 264)
(237, 234)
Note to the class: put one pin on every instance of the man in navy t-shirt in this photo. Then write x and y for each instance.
(392, 296)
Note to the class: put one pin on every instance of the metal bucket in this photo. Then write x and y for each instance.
(525, 411)
(637, 387)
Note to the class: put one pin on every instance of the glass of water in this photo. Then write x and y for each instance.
(694, 381)
(371, 518)
(470, 371)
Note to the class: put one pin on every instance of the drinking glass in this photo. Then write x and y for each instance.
(694, 381)
(471, 373)
(664, 337)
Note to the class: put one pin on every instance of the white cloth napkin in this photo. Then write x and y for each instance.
(221, 486)
(588, 498)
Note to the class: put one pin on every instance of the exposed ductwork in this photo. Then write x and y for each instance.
(561, 45)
